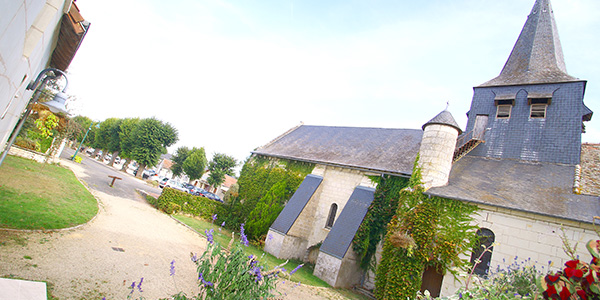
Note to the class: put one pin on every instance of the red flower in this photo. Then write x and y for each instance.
(569, 272)
(581, 294)
(551, 290)
(590, 277)
(572, 263)
(552, 278)
(565, 294)
(577, 274)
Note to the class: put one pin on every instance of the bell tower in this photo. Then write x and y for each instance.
(534, 109)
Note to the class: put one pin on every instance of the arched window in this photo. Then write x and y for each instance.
(486, 239)
(331, 218)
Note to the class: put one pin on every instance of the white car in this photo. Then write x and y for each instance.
(174, 184)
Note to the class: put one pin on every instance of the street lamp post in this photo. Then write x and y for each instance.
(82, 140)
(55, 105)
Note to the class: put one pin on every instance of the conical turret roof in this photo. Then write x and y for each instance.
(537, 56)
(444, 118)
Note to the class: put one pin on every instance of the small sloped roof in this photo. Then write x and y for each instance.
(444, 118)
(540, 188)
(390, 151)
(537, 56)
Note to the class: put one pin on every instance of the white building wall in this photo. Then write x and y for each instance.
(28, 35)
(337, 187)
(527, 236)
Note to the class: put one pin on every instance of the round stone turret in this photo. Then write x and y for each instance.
(437, 149)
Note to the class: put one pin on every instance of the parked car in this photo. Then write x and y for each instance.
(212, 196)
(198, 191)
(188, 186)
(163, 182)
(174, 184)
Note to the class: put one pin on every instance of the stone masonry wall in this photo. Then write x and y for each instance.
(337, 186)
(524, 236)
(435, 154)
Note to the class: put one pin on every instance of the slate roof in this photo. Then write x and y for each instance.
(342, 233)
(391, 151)
(537, 56)
(444, 118)
(540, 188)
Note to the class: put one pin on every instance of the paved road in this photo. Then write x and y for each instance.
(96, 176)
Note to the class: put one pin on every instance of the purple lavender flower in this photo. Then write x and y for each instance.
(209, 235)
(243, 237)
(296, 269)
(214, 217)
(204, 282)
(195, 257)
(172, 270)
(139, 286)
(257, 273)
(223, 224)
(132, 287)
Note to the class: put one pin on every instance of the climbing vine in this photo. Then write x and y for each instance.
(424, 232)
(374, 226)
(265, 186)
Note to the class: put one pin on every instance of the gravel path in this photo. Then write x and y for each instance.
(126, 241)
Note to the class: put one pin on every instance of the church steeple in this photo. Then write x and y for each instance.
(537, 56)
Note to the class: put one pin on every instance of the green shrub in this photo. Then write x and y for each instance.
(27, 143)
(173, 201)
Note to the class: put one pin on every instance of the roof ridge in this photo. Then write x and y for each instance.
(281, 136)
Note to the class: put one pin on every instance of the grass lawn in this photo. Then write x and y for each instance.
(304, 274)
(42, 196)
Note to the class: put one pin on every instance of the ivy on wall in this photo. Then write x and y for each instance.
(426, 231)
(374, 226)
(265, 186)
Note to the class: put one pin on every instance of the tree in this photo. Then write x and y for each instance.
(181, 154)
(195, 163)
(109, 137)
(151, 139)
(220, 165)
(127, 139)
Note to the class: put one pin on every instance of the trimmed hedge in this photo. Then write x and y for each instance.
(174, 201)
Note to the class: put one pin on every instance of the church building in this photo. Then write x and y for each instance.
(518, 160)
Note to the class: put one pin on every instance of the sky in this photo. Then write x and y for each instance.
(233, 75)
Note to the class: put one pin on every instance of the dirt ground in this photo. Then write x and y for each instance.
(126, 241)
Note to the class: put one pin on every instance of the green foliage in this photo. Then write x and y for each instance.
(173, 201)
(220, 165)
(151, 137)
(426, 232)
(28, 143)
(178, 158)
(126, 137)
(374, 226)
(232, 193)
(46, 124)
(195, 163)
(266, 211)
(258, 176)
(234, 275)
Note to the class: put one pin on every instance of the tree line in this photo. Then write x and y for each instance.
(144, 141)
